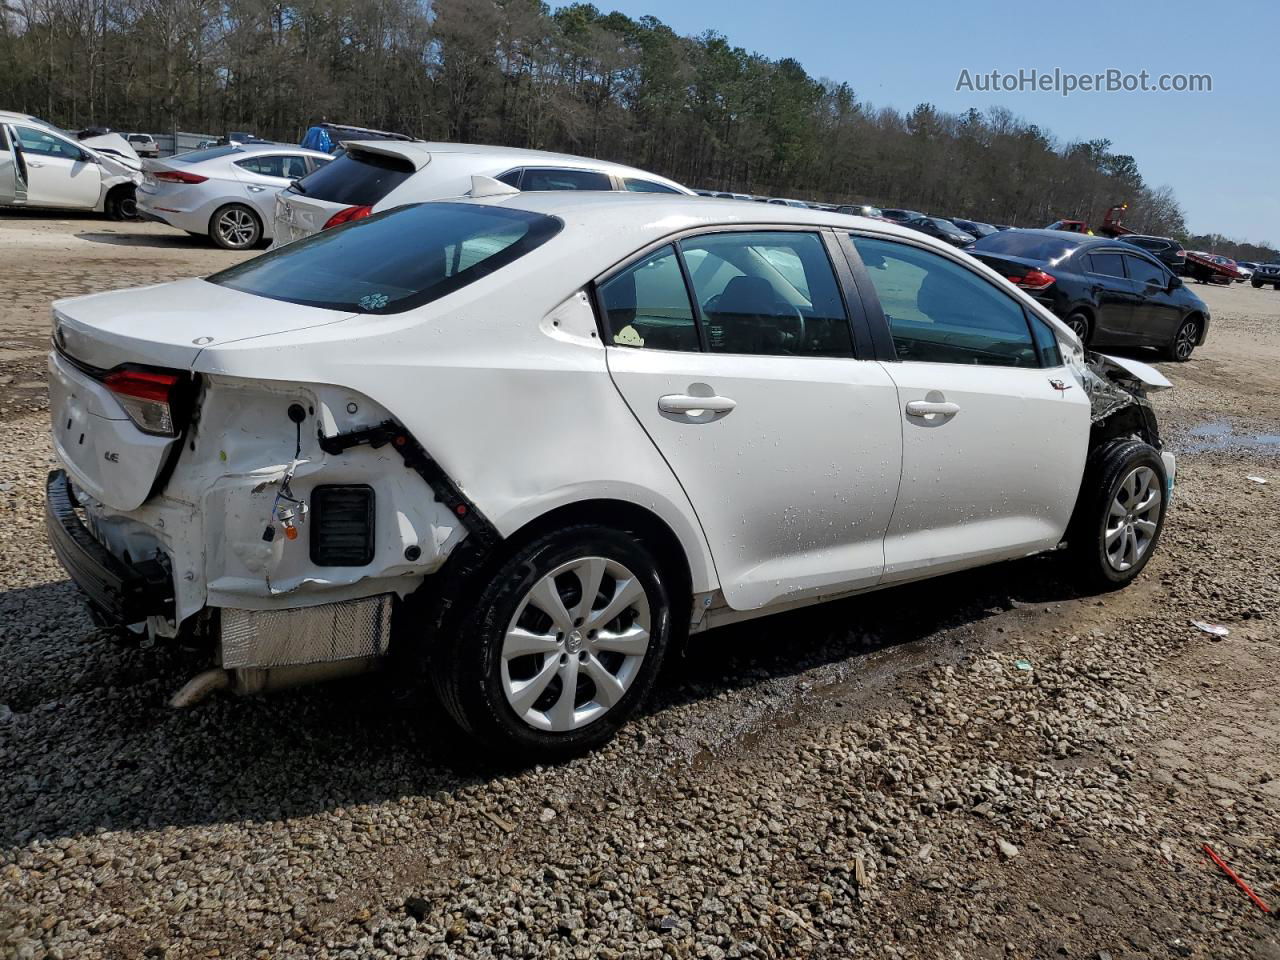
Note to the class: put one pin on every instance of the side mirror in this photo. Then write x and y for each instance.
(1175, 282)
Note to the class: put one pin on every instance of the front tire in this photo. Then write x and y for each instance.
(560, 647)
(1119, 515)
(235, 227)
(122, 204)
(1079, 324)
(1184, 341)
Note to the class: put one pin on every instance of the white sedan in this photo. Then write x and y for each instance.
(547, 435)
(43, 166)
(226, 193)
(370, 176)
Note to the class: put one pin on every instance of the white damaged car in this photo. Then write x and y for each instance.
(528, 442)
(43, 166)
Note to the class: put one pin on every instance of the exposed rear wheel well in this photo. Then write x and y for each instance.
(451, 590)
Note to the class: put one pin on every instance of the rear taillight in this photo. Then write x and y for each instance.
(1033, 280)
(1179, 253)
(177, 176)
(148, 397)
(346, 215)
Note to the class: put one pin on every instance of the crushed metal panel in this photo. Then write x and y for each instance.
(330, 631)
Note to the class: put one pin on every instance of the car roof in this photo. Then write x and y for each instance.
(250, 149)
(419, 152)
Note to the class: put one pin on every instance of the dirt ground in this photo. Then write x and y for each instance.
(988, 765)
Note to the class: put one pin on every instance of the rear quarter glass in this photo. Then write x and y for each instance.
(393, 261)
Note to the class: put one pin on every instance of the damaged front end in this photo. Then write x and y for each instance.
(1117, 388)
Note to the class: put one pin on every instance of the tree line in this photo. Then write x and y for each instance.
(575, 79)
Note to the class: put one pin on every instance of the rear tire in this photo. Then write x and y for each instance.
(1257, 284)
(235, 227)
(1119, 515)
(503, 673)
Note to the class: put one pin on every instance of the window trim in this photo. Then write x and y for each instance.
(854, 317)
(883, 325)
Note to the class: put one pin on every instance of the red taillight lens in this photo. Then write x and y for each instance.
(147, 397)
(177, 176)
(1033, 280)
(1180, 253)
(346, 215)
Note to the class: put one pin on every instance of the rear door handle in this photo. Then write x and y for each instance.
(923, 408)
(683, 403)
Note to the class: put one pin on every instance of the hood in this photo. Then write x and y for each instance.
(115, 145)
(170, 324)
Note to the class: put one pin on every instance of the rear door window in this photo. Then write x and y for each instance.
(356, 179)
(547, 178)
(393, 261)
(1107, 264)
(647, 305)
(772, 293)
(275, 165)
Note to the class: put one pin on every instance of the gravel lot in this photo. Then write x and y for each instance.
(988, 765)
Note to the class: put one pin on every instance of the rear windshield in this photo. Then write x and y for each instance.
(355, 179)
(1032, 246)
(393, 261)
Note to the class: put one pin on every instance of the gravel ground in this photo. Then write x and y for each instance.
(987, 765)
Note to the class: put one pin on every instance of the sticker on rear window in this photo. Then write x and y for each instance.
(374, 301)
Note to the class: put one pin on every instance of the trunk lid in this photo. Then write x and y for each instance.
(169, 324)
(166, 327)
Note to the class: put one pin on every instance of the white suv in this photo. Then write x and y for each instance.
(544, 436)
(375, 175)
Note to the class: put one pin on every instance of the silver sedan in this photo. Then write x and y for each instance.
(227, 193)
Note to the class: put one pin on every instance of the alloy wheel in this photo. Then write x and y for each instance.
(1186, 340)
(1079, 326)
(1133, 518)
(237, 228)
(575, 644)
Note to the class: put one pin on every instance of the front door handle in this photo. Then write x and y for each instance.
(683, 403)
(924, 408)
(34, 163)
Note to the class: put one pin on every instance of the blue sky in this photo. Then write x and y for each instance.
(1218, 150)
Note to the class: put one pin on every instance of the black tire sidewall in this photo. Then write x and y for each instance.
(468, 678)
(1087, 540)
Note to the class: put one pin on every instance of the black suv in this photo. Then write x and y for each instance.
(1266, 273)
(1169, 252)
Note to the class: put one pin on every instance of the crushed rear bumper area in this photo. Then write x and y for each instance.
(122, 593)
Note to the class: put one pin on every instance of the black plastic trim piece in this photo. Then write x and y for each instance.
(124, 593)
(418, 460)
